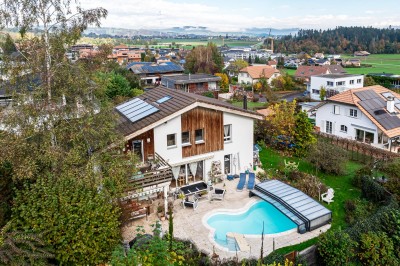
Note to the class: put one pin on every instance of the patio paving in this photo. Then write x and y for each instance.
(189, 224)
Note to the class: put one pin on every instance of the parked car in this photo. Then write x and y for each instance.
(306, 93)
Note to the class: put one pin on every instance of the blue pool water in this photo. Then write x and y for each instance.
(249, 223)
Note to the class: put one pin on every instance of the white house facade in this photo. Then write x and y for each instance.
(370, 115)
(252, 74)
(334, 84)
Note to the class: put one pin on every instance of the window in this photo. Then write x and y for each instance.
(186, 138)
(171, 140)
(227, 133)
(199, 135)
(329, 83)
(329, 127)
(352, 82)
(315, 91)
(336, 109)
(343, 128)
(340, 83)
(358, 81)
(353, 112)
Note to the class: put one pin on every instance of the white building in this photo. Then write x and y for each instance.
(370, 115)
(188, 134)
(334, 84)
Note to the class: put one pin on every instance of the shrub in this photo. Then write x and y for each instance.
(356, 209)
(364, 171)
(336, 247)
(376, 249)
(255, 99)
(373, 191)
(327, 157)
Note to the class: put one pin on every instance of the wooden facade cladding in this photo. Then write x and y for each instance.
(148, 147)
(212, 123)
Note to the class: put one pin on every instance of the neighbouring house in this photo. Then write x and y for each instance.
(150, 73)
(194, 83)
(252, 74)
(392, 79)
(272, 63)
(352, 62)
(180, 138)
(319, 55)
(361, 53)
(305, 72)
(122, 55)
(306, 106)
(333, 84)
(322, 62)
(369, 115)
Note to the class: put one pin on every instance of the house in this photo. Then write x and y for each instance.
(352, 62)
(319, 55)
(194, 83)
(272, 63)
(122, 54)
(393, 79)
(305, 72)
(369, 115)
(333, 83)
(252, 74)
(180, 138)
(361, 53)
(150, 73)
(322, 62)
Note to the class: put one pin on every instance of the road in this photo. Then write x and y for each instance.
(292, 96)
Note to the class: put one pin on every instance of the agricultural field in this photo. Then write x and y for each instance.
(388, 63)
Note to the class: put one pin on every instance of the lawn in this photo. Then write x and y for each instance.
(250, 105)
(388, 63)
(342, 185)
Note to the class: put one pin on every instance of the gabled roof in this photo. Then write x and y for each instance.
(308, 71)
(352, 97)
(179, 103)
(153, 68)
(257, 72)
(191, 78)
(336, 69)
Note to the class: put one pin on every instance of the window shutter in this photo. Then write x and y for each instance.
(333, 127)
(323, 126)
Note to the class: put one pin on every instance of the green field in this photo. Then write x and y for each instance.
(388, 63)
(196, 42)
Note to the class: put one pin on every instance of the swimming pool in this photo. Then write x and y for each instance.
(249, 223)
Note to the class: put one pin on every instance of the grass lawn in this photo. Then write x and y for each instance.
(388, 63)
(344, 190)
(250, 105)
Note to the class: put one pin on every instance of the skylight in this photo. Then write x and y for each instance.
(164, 99)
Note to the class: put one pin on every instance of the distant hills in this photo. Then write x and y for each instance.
(190, 30)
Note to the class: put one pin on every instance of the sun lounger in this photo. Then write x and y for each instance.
(242, 182)
(252, 180)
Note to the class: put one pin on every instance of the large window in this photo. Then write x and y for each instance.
(199, 135)
(186, 138)
(227, 133)
(328, 128)
(353, 112)
(171, 140)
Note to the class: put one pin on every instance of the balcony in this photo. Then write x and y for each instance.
(152, 172)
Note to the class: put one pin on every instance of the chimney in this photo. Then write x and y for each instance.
(189, 76)
(390, 104)
(245, 102)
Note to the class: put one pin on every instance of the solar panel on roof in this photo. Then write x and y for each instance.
(164, 99)
(136, 109)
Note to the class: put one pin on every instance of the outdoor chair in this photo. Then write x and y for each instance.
(189, 203)
(252, 181)
(242, 182)
(328, 196)
(218, 194)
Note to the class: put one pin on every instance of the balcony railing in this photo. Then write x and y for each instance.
(153, 172)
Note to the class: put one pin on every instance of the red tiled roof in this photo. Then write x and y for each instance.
(256, 72)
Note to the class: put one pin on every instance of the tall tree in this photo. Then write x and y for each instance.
(58, 133)
(204, 59)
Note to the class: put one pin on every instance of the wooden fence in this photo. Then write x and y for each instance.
(359, 151)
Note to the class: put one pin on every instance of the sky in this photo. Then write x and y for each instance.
(234, 15)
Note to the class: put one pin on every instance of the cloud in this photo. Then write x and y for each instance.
(159, 14)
